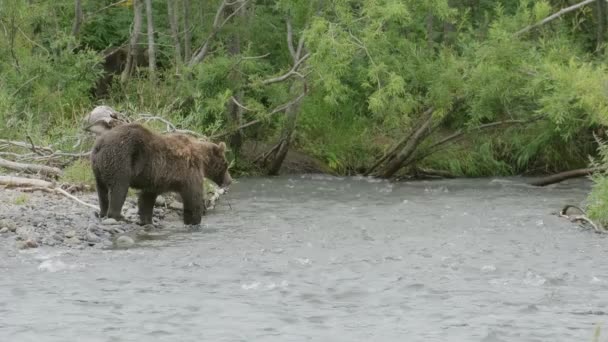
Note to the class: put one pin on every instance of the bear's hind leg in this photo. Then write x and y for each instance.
(145, 205)
(118, 194)
(193, 206)
(102, 196)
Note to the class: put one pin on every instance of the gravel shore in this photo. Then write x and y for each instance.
(33, 219)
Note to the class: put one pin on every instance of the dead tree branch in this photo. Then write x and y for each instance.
(437, 146)
(562, 176)
(419, 134)
(31, 168)
(217, 25)
(257, 121)
(293, 71)
(580, 217)
(555, 16)
(41, 185)
(397, 146)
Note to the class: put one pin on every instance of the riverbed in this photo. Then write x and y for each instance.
(319, 258)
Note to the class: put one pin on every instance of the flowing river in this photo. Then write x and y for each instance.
(318, 258)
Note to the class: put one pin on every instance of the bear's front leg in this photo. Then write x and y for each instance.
(145, 205)
(193, 206)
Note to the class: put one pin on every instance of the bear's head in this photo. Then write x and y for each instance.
(216, 163)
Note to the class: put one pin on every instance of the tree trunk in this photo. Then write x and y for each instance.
(174, 31)
(187, 32)
(151, 50)
(133, 48)
(291, 116)
(562, 176)
(600, 12)
(429, 30)
(449, 29)
(234, 111)
(396, 163)
(78, 17)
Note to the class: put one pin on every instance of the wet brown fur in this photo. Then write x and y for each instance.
(133, 156)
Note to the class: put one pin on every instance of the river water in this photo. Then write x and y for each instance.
(316, 258)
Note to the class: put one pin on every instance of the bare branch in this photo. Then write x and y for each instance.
(289, 73)
(257, 121)
(292, 50)
(25, 145)
(555, 16)
(106, 7)
(40, 185)
(30, 168)
(239, 104)
(256, 57)
(23, 85)
(200, 55)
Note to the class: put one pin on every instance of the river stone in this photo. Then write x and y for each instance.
(124, 241)
(9, 224)
(160, 201)
(29, 243)
(70, 234)
(73, 241)
(26, 233)
(175, 205)
(4, 230)
(109, 222)
(91, 237)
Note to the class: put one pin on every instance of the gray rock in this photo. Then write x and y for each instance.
(73, 241)
(91, 237)
(124, 241)
(175, 205)
(9, 224)
(27, 244)
(4, 230)
(109, 222)
(27, 233)
(108, 229)
(160, 201)
(118, 231)
(70, 234)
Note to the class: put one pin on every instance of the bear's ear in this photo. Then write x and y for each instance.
(222, 146)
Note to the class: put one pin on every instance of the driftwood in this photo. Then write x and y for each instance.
(562, 176)
(29, 184)
(579, 215)
(48, 171)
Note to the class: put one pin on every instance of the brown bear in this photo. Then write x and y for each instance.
(131, 155)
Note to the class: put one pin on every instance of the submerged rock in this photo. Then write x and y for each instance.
(124, 241)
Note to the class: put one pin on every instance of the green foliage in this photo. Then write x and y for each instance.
(375, 66)
(79, 172)
(597, 200)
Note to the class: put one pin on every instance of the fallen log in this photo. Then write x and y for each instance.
(31, 168)
(562, 176)
(30, 184)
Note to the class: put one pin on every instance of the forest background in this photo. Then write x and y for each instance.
(387, 88)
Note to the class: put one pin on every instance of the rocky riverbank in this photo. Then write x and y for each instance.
(33, 219)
